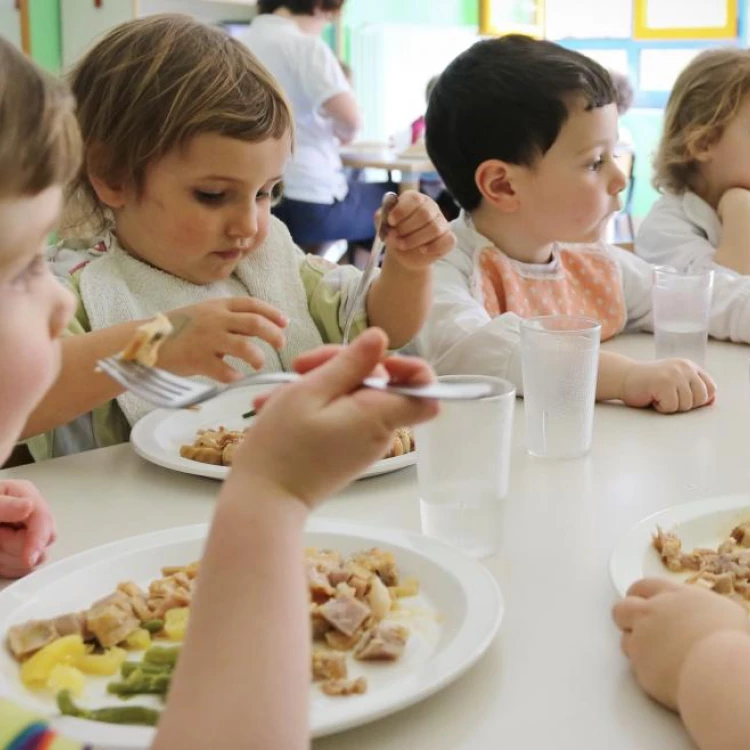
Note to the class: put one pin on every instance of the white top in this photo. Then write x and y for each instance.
(681, 231)
(309, 73)
(554, 679)
(461, 337)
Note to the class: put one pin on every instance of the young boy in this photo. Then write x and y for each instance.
(523, 134)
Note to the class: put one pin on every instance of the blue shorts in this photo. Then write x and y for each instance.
(352, 219)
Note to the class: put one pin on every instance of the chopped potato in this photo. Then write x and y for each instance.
(138, 640)
(408, 587)
(105, 664)
(66, 677)
(35, 671)
(175, 623)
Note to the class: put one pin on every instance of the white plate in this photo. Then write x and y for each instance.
(452, 622)
(158, 436)
(705, 523)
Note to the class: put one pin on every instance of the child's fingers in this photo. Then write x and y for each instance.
(408, 370)
(710, 385)
(313, 359)
(391, 410)
(12, 541)
(39, 533)
(248, 324)
(258, 307)
(648, 587)
(426, 215)
(699, 391)
(342, 374)
(627, 611)
(408, 202)
(626, 642)
(243, 348)
(15, 509)
(422, 238)
(12, 567)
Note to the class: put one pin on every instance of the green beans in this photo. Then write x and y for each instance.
(128, 667)
(139, 682)
(162, 655)
(137, 715)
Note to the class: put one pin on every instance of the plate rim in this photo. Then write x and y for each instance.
(144, 427)
(622, 571)
(480, 631)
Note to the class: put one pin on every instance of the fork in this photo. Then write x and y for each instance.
(163, 389)
(389, 201)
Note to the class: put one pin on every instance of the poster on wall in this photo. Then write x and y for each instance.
(687, 19)
(498, 17)
(588, 19)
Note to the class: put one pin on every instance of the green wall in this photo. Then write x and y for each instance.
(431, 12)
(46, 46)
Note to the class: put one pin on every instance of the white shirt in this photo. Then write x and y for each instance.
(461, 338)
(309, 73)
(681, 231)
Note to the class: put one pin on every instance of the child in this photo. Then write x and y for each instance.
(690, 650)
(221, 696)
(185, 141)
(702, 168)
(523, 134)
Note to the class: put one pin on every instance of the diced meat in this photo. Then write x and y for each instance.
(328, 665)
(137, 599)
(28, 638)
(384, 642)
(336, 688)
(345, 613)
(381, 562)
(341, 642)
(318, 583)
(318, 624)
(669, 548)
(112, 619)
(741, 534)
(72, 624)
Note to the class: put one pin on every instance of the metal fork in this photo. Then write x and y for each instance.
(162, 388)
(389, 201)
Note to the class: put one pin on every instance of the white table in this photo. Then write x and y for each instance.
(555, 677)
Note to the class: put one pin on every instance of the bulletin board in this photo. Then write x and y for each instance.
(497, 17)
(686, 19)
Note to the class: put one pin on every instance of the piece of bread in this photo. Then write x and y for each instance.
(143, 348)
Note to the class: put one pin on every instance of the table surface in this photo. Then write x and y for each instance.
(554, 677)
(379, 157)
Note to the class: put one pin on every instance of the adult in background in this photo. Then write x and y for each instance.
(320, 205)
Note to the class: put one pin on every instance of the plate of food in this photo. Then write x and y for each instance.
(705, 543)
(85, 634)
(201, 440)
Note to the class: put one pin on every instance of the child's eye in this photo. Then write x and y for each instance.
(35, 268)
(596, 165)
(274, 194)
(211, 199)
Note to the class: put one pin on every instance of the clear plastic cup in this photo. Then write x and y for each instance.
(560, 358)
(681, 309)
(463, 463)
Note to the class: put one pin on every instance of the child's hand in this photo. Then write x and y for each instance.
(207, 332)
(662, 621)
(418, 233)
(669, 385)
(313, 437)
(27, 528)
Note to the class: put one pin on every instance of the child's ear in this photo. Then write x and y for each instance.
(494, 180)
(110, 192)
(701, 149)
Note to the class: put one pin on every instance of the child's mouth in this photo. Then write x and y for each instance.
(229, 254)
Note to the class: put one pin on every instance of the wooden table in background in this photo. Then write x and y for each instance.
(365, 156)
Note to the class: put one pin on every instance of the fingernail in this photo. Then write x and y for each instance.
(34, 559)
(285, 321)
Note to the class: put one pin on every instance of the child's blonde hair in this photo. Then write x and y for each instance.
(152, 84)
(39, 140)
(706, 97)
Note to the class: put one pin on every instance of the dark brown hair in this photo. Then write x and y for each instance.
(39, 141)
(300, 7)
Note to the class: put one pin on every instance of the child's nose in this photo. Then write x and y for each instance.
(62, 311)
(245, 222)
(619, 180)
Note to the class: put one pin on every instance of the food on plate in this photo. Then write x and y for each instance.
(725, 570)
(143, 348)
(351, 600)
(217, 446)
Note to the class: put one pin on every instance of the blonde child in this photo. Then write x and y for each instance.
(702, 168)
(523, 133)
(690, 650)
(221, 697)
(185, 140)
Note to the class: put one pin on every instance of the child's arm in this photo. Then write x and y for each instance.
(734, 249)
(205, 334)
(399, 299)
(243, 677)
(690, 650)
